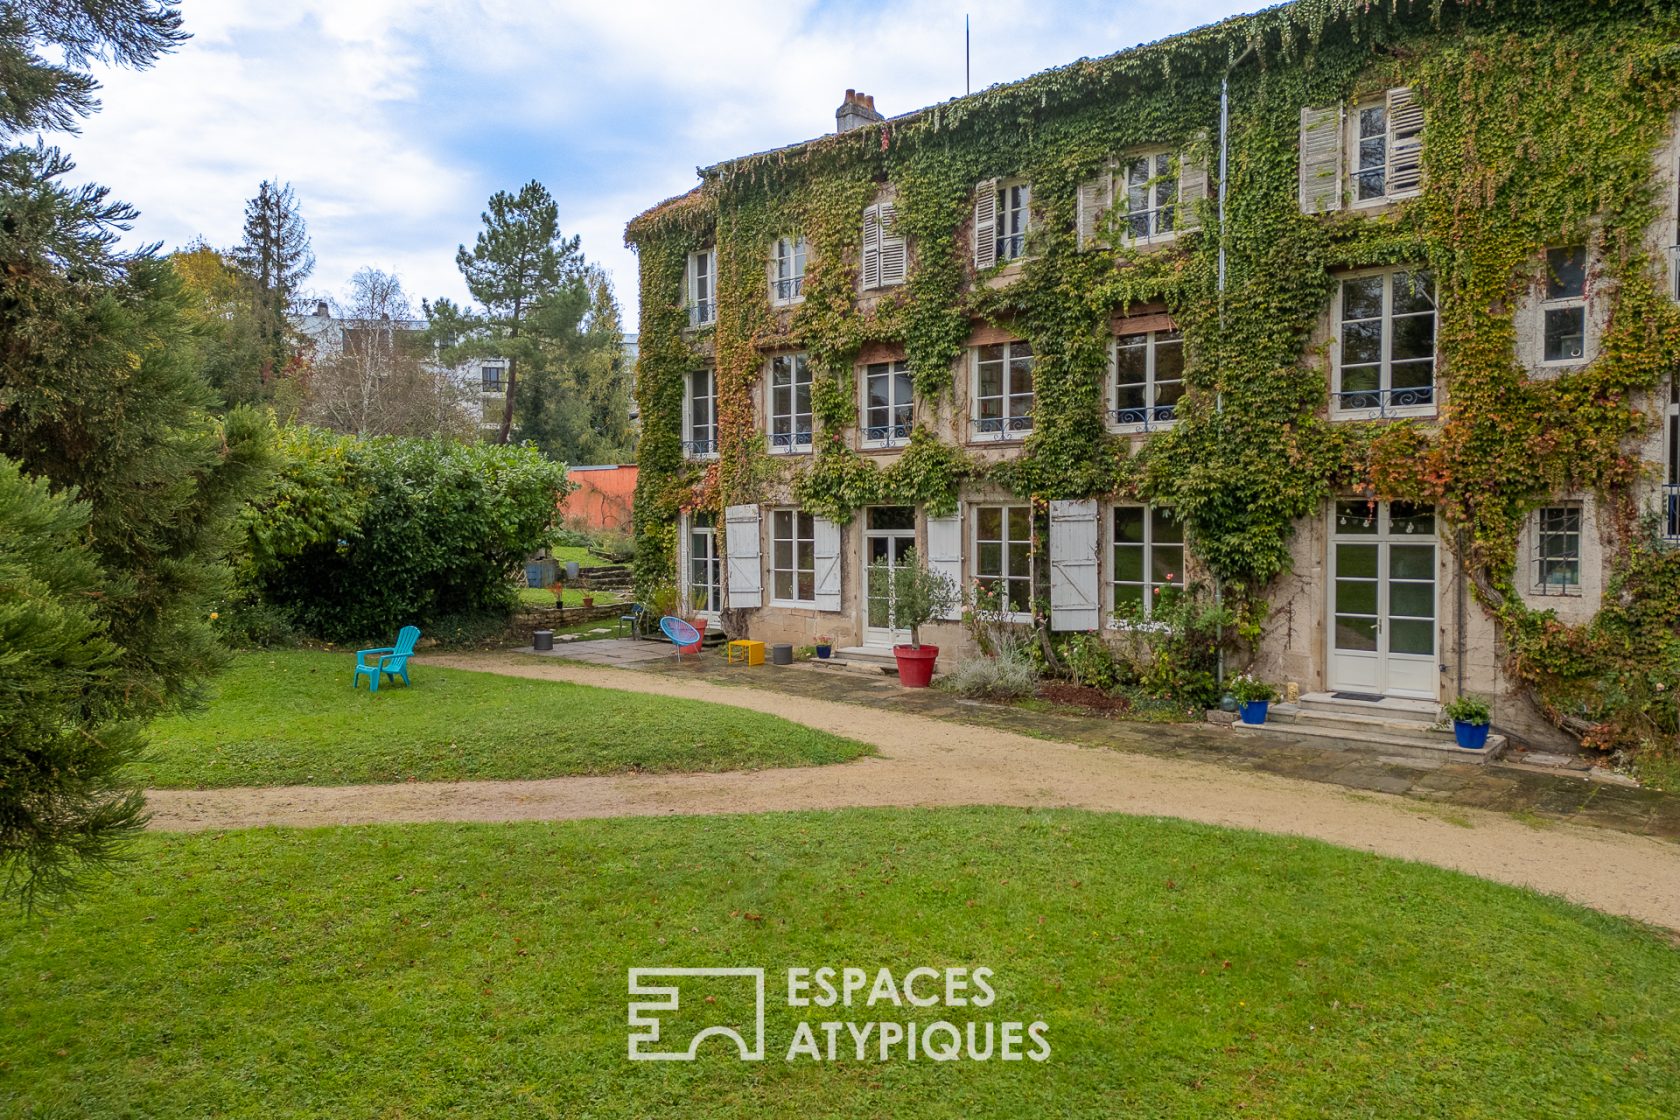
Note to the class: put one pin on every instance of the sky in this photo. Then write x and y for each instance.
(395, 121)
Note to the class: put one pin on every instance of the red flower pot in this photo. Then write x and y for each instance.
(699, 625)
(915, 666)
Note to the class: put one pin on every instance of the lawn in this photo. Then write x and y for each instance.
(543, 597)
(480, 970)
(291, 717)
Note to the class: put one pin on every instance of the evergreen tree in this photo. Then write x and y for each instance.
(576, 405)
(276, 257)
(519, 263)
(109, 450)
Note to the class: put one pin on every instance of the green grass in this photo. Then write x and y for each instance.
(291, 717)
(1184, 971)
(543, 597)
(582, 555)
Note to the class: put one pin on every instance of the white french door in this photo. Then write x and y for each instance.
(1382, 599)
(889, 534)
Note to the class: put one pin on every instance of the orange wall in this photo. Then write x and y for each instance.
(602, 500)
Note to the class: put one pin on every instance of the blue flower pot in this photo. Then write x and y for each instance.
(824, 651)
(1254, 711)
(1470, 736)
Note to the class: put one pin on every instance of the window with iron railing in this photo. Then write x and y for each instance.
(1148, 379)
(888, 404)
(1385, 352)
(700, 409)
(1003, 390)
(790, 403)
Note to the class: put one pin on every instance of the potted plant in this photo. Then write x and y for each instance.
(559, 589)
(825, 646)
(1470, 717)
(1253, 697)
(588, 599)
(916, 596)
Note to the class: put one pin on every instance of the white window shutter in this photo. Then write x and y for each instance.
(1192, 189)
(1321, 160)
(746, 581)
(1405, 142)
(894, 260)
(1073, 565)
(685, 593)
(871, 259)
(985, 225)
(1094, 198)
(825, 554)
(945, 552)
(689, 284)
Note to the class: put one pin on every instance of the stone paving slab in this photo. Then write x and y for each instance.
(609, 651)
(1560, 795)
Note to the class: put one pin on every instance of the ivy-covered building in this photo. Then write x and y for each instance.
(1358, 316)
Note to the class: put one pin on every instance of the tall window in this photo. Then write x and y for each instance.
(1671, 485)
(700, 425)
(1557, 550)
(702, 288)
(1014, 211)
(705, 566)
(1148, 378)
(1151, 196)
(1003, 389)
(790, 403)
(793, 576)
(1370, 168)
(493, 377)
(1148, 561)
(1386, 357)
(1387, 147)
(1564, 312)
(888, 404)
(787, 271)
(1003, 555)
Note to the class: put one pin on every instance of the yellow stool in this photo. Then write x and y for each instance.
(752, 653)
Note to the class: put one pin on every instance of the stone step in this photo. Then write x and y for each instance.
(868, 655)
(1426, 712)
(1357, 721)
(863, 668)
(1427, 745)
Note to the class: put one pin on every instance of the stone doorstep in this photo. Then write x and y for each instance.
(1410, 744)
(868, 655)
(1389, 707)
(852, 665)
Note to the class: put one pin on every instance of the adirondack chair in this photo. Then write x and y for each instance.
(392, 660)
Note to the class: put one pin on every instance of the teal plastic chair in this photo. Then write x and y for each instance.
(393, 660)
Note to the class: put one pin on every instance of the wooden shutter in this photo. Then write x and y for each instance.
(688, 292)
(825, 553)
(945, 552)
(1192, 187)
(985, 225)
(871, 260)
(685, 592)
(1094, 198)
(893, 254)
(1321, 160)
(1073, 565)
(1405, 142)
(746, 581)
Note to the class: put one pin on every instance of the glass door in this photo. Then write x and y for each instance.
(890, 535)
(1383, 610)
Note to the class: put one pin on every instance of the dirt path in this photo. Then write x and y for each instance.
(927, 762)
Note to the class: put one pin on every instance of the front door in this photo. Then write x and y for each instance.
(1382, 572)
(889, 534)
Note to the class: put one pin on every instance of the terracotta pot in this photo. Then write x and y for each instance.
(699, 625)
(915, 666)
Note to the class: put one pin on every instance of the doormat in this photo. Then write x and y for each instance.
(1365, 696)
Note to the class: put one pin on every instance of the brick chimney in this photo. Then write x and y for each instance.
(856, 111)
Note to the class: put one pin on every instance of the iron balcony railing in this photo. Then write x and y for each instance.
(1145, 418)
(886, 435)
(1002, 427)
(788, 442)
(700, 446)
(1385, 402)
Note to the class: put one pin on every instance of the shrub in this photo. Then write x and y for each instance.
(992, 678)
(360, 537)
(1469, 709)
(1174, 654)
(1090, 661)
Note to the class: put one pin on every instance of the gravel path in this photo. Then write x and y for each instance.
(927, 762)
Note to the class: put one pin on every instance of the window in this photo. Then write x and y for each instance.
(1387, 141)
(705, 566)
(1003, 389)
(1564, 312)
(793, 577)
(1002, 215)
(888, 404)
(1148, 561)
(1003, 556)
(787, 271)
(493, 377)
(1671, 483)
(1148, 378)
(883, 256)
(1557, 553)
(700, 405)
(1386, 352)
(1151, 196)
(702, 288)
(790, 403)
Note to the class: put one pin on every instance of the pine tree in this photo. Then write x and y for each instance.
(276, 257)
(519, 261)
(110, 455)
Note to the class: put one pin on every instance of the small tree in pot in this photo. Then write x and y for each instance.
(916, 595)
